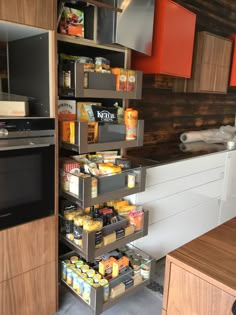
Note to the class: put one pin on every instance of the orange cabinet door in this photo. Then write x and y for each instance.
(232, 80)
(173, 40)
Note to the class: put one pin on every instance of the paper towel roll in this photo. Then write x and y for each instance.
(194, 136)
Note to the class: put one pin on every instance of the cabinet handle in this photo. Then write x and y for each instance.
(234, 308)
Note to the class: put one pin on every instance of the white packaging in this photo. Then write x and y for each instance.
(66, 109)
(14, 108)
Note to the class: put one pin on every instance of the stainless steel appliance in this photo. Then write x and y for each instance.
(133, 28)
(27, 154)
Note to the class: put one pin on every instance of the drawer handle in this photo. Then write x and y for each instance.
(234, 308)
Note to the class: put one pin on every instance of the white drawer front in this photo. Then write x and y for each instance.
(178, 185)
(167, 172)
(163, 208)
(175, 231)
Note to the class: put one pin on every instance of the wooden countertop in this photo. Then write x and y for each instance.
(214, 255)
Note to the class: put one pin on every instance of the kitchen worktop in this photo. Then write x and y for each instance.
(174, 151)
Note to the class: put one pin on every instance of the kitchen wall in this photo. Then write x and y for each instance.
(168, 114)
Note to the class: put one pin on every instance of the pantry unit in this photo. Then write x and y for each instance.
(97, 262)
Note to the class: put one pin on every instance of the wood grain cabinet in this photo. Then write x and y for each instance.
(38, 13)
(28, 268)
(173, 39)
(211, 65)
(200, 277)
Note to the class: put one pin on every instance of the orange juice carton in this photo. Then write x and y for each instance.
(119, 266)
(66, 109)
(121, 78)
(131, 80)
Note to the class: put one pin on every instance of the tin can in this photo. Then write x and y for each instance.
(81, 285)
(105, 284)
(64, 265)
(131, 180)
(131, 120)
(69, 276)
(75, 281)
(87, 290)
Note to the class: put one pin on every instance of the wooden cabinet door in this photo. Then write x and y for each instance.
(173, 39)
(32, 293)
(27, 246)
(38, 13)
(189, 294)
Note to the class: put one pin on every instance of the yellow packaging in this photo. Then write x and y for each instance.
(67, 131)
(105, 266)
(120, 203)
(84, 111)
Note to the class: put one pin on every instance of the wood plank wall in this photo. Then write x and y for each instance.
(168, 114)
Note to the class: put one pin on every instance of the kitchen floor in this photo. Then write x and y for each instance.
(147, 300)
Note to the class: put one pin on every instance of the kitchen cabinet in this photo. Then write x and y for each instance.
(232, 79)
(28, 268)
(37, 13)
(183, 200)
(33, 292)
(228, 201)
(118, 57)
(173, 39)
(195, 281)
(211, 65)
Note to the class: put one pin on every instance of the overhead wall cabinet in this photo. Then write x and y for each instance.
(38, 13)
(232, 80)
(173, 40)
(211, 65)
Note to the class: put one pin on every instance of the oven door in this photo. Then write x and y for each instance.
(26, 184)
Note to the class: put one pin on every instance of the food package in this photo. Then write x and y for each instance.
(104, 114)
(131, 80)
(136, 219)
(119, 266)
(66, 109)
(72, 22)
(109, 168)
(121, 78)
(85, 112)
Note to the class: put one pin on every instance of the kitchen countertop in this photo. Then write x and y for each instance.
(165, 153)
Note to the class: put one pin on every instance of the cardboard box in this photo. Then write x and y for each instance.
(121, 78)
(72, 22)
(14, 108)
(66, 109)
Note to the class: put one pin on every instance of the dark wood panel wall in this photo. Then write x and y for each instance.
(168, 114)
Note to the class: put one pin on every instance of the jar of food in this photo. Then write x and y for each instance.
(102, 65)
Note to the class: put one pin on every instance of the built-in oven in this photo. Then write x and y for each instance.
(27, 169)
